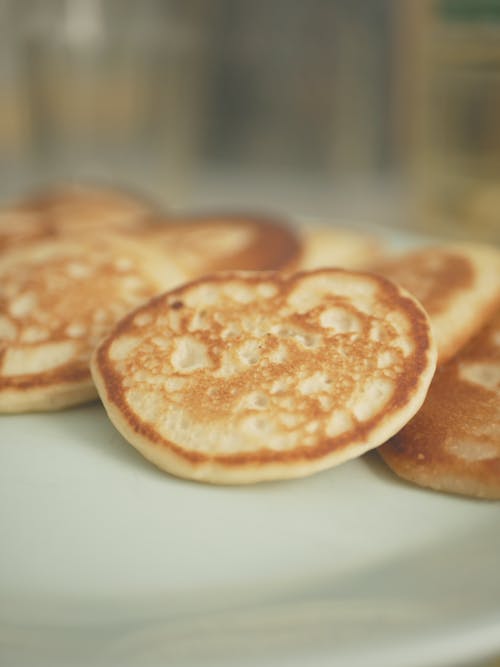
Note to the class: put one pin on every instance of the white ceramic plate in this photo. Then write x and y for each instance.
(104, 560)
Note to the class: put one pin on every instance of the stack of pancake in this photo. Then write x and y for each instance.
(234, 348)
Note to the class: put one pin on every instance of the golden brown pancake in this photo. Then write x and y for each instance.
(242, 377)
(453, 443)
(18, 228)
(57, 299)
(324, 247)
(457, 284)
(208, 243)
(81, 207)
(67, 210)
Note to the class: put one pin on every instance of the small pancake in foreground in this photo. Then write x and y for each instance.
(453, 443)
(243, 377)
(57, 299)
(457, 284)
(324, 247)
(208, 243)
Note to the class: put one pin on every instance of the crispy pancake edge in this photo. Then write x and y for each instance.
(266, 464)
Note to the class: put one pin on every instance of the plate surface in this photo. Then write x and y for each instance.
(106, 560)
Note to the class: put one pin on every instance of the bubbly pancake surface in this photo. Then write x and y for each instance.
(57, 299)
(453, 443)
(204, 244)
(458, 285)
(242, 377)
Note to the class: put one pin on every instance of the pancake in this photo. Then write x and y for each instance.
(324, 247)
(57, 299)
(242, 377)
(68, 210)
(208, 243)
(18, 228)
(457, 284)
(84, 207)
(453, 443)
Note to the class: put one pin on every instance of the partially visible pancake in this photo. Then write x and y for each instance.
(57, 299)
(18, 228)
(69, 210)
(457, 284)
(324, 247)
(242, 377)
(208, 243)
(453, 443)
(84, 207)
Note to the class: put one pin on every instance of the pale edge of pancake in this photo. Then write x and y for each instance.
(47, 398)
(215, 472)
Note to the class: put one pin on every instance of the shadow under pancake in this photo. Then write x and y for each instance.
(89, 426)
(376, 465)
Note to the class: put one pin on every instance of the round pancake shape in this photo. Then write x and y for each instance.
(207, 243)
(457, 284)
(57, 299)
(453, 443)
(242, 377)
(329, 246)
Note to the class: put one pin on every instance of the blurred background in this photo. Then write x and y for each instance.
(378, 110)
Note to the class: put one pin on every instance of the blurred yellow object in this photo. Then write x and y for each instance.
(458, 170)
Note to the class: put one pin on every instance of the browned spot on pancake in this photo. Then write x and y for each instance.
(284, 368)
(433, 275)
